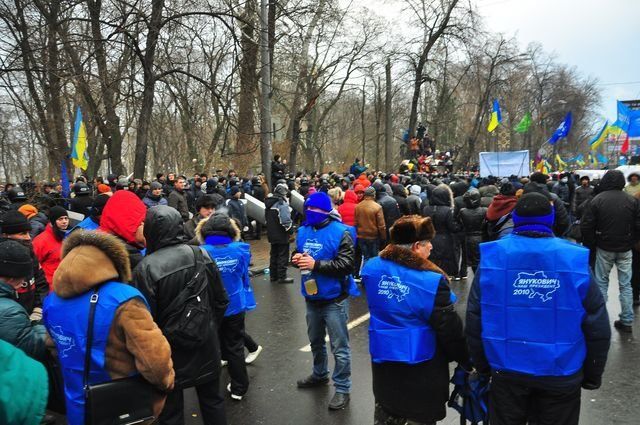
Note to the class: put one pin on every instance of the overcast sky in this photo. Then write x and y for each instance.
(601, 38)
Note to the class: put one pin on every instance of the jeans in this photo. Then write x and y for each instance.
(605, 261)
(333, 318)
(369, 248)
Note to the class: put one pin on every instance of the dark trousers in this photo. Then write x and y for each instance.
(511, 403)
(635, 274)
(278, 260)
(462, 252)
(231, 336)
(358, 264)
(381, 417)
(249, 343)
(209, 398)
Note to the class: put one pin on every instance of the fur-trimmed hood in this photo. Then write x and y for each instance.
(408, 258)
(89, 259)
(234, 228)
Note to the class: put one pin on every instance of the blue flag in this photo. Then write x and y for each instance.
(64, 180)
(628, 120)
(562, 131)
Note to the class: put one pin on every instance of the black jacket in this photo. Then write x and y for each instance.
(81, 204)
(257, 191)
(178, 200)
(595, 326)
(390, 209)
(279, 223)
(444, 252)
(561, 219)
(400, 195)
(472, 220)
(161, 275)
(237, 212)
(580, 195)
(611, 221)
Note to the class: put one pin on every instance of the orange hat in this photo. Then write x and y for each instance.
(103, 188)
(28, 210)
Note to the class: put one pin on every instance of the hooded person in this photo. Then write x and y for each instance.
(472, 218)
(155, 195)
(535, 372)
(498, 216)
(125, 341)
(123, 216)
(413, 200)
(161, 277)
(279, 230)
(390, 208)
(440, 209)
(220, 237)
(37, 219)
(325, 254)
(48, 244)
(347, 209)
(30, 295)
(414, 331)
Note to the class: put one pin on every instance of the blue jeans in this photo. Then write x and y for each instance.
(369, 248)
(605, 260)
(333, 317)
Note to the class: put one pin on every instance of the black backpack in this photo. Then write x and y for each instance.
(188, 320)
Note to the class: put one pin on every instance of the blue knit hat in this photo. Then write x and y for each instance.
(319, 200)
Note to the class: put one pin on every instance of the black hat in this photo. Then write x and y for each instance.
(16, 194)
(533, 204)
(209, 201)
(13, 222)
(55, 213)
(98, 204)
(233, 190)
(15, 260)
(81, 189)
(219, 224)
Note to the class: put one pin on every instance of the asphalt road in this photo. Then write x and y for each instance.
(278, 324)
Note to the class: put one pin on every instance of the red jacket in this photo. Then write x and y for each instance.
(122, 216)
(48, 249)
(348, 208)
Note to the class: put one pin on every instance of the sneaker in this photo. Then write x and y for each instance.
(464, 277)
(311, 381)
(456, 278)
(253, 355)
(286, 280)
(233, 396)
(223, 363)
(622, 327)
(339, 401)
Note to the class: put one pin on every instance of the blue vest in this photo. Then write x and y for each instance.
(233, 262)
(400, 302)
(86, 224)
(532, 290)
(323, 244)
(67, 321)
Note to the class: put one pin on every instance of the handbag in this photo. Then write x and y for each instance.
(119, 402)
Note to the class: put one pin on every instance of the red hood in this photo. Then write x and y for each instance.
(363, 180)
(500, 206)
(350, 197)
(122, 215)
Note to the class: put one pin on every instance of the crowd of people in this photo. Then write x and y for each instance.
(167, 263)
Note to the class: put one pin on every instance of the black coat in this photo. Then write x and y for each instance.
(444, 249)
(390, 209)
(472, 220)
(178, 200)
(580, 195)
(257, 191)
(237, 212)
(81, 204)
(162, 274)
(279, 223)
(611, 221)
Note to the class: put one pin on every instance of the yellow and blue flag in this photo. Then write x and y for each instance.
(79, 155)
(600, 137)
(496, 116)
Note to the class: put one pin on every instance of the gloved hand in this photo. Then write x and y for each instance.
(591, 383)
(36, 315)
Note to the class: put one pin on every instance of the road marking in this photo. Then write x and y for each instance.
(360, 320)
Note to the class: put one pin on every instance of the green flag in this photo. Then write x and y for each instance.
(524, 124)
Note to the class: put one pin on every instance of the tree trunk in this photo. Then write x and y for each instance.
(387, 118)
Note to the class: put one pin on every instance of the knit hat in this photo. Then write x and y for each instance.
(234, 190)
(55, 213)
(103, 188)
(28, 210)
(15, 260)
(218, 224)
(533, 212)
(319, 200)
(13, 222)
(415, 189)
(410, 229)
(155, 185)
(394, 178)
(370, 191)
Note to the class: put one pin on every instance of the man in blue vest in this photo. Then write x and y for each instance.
(414, 331)
(325, 255)
(536, 321)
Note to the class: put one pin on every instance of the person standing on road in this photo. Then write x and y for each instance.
(325, 256)
(370, 225)
(279, 229)
(611, 226)
(414, 330)
(536, 321)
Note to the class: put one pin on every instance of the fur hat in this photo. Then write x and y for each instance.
(217, 224)
(410, 229)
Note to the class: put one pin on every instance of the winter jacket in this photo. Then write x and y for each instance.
(16, 327)
(178, 200)
(257, 191)
(561, 219)
(400, 195)
(612, 219)
(580, 195)
(277, 172)
(347, 209)
(81, 205)
(390, 209)
(22, 375)
(190, 228)
(161, 276)
(443, 253)
(501, 206)
(134, 343)
(562, 190)
(595, 326)
(151, 201)
(278, 217)
(238, 212)
(472, 219)
(32, 294)
(401, 388)
(488, 193)
(47, 248)
(121, 217)
(356, 169)
(38, 223)
(369, 220)
(413, 204)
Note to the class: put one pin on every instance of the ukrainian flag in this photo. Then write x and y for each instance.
(496, 116)
(79, 144)
(601, 136)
